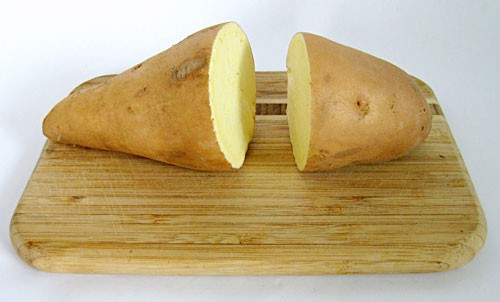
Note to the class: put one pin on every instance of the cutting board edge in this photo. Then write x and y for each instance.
(39, 257)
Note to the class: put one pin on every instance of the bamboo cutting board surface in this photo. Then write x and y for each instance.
(93, 211)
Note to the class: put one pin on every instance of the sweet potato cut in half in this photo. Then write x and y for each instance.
(347, 107)
(192, 105)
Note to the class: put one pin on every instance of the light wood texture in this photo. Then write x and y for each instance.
(92, 211)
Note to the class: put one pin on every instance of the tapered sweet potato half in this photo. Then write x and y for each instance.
(192, 105)
(347, 107)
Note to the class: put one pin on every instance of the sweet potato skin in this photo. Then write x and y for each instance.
(158, 109)
(363, 109)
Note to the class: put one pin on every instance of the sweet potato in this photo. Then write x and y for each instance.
(192, 105)
(348, 107)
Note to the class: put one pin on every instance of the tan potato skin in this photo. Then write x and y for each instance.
(158, 109)
(363, 109)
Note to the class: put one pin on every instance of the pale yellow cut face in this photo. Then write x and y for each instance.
(299, 99)
(232, 92)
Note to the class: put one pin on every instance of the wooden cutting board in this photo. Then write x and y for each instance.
(92, 211)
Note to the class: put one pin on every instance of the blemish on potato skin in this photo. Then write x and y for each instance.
(327, 78)
(363, 106)
(142, 92)
(137, 67)
(188, 67)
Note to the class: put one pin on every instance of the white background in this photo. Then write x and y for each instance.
(48, 47)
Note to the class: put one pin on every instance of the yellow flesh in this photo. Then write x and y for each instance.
(232, 92)
(299, 99)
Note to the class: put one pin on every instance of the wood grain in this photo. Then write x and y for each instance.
(93, 211)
